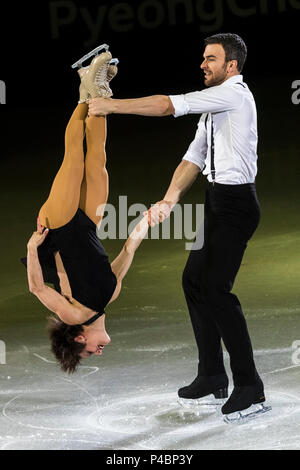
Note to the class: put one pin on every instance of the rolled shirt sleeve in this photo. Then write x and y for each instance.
(197, 151)
(180, 105)
(211, 100)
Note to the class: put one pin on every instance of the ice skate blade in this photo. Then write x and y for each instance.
(90, 54)
(209, 400)
(240, 417)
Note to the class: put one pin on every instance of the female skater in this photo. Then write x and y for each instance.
(65, 250)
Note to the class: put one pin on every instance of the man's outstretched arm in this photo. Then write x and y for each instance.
(184, 176)
(156, 105)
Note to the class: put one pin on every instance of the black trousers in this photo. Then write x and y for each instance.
(232, 214)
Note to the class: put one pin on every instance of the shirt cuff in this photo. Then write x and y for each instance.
(180, 105)
(189, 158)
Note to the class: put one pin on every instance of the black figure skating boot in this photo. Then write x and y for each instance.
(200, 391)
(245, 402)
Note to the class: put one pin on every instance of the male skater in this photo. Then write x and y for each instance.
(225, 150)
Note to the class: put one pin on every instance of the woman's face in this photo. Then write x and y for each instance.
(95, 339)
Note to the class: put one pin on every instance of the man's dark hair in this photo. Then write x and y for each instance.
(64, 347)
(234, 46)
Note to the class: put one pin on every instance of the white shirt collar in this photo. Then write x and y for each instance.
(234, 79)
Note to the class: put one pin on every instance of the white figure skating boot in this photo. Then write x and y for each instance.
(95, 80)
(83, 93)
(103, 83)
(101, 80)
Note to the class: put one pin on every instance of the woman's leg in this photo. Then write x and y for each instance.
(63, 200)
(94, 189)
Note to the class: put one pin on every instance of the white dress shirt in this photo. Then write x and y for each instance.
(229, 109)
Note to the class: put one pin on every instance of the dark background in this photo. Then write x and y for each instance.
(156, 57)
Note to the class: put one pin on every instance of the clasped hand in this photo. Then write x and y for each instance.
(99, 107)
(158, 213)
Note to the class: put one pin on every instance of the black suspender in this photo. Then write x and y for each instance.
(205, 123)
(212, 144)
(206, 119)
(212, 152)
(212, 149)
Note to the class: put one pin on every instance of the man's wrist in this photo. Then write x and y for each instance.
(171, 201)
(112, 108)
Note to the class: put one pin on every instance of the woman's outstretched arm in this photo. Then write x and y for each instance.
(48, 296)
(122, 263)
(34, 270)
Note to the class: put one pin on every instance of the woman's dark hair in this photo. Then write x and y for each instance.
(64, 347)
(234, 46)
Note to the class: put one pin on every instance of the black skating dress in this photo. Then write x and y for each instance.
(85, 261)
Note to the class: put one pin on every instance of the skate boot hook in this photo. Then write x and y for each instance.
(94, 52)
(114, 62)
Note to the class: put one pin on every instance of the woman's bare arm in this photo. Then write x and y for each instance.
(58, 304)
(123, 261)
(34, 270)
(49, 297)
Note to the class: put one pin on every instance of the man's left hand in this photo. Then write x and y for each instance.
(99, 106)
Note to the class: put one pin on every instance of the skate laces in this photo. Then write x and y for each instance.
(111, 73)
(101, 79)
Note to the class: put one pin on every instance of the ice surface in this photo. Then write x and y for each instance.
(127, 399)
